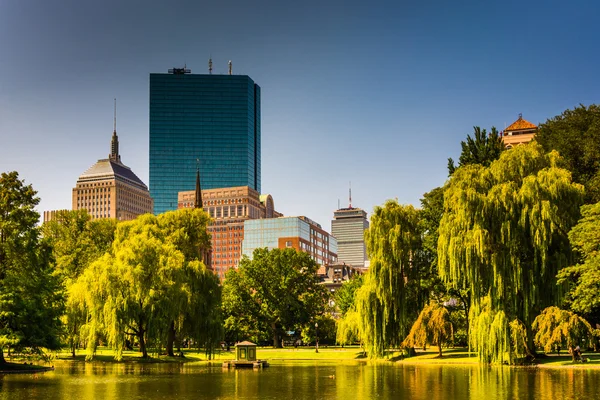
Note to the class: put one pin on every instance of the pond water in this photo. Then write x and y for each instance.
(300, 380)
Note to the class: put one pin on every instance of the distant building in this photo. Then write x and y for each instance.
(110, 189)
(348, 226)
(214, 118)
(334, 275)
(298, 233)
(229, 208)
(53, 215)
(519, 132)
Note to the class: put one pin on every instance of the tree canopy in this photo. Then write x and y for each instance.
(345, 295)
(482, 149)
(76, 242)
(275, 291)
(575, 134)
(145, 284)
(560, 328)
(433, 326)
(584, 277)
(390, 296)
(30, 302)
(503, 236)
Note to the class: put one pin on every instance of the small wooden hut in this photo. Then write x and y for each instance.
(245, 354)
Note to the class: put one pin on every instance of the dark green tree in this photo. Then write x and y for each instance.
(344, 296)
(584, 277)
(503, 236)
(482, 149)
(575, 134)
(275, 291)
(30, 305)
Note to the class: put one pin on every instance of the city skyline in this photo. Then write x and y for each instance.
(380, 95)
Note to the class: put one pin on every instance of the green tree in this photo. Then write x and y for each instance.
(76, 242)
(138, 289)
(344, 296)
(482, 149)
(560, 328)
(276, 291)
(575, 134)
(348, 328)
(29, 304)
(200, 311)
(503, 236)
(584, 294)
(391, 294)
(433, 326)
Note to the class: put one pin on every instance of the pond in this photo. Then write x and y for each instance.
(299, 380)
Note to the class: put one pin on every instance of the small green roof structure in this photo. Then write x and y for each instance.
(245, 351)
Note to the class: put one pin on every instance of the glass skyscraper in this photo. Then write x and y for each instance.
(211, 118)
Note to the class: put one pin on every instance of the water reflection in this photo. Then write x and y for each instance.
(293, 380)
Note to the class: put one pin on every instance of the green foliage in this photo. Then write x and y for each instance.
(146, 285)
(555, 327)
(482, 149)
(575, 134)
(433, 326)
(390, 296)
(348, 328)
(76, 242)
(275, 291)
(30, 302)
(503, 237)
(344, 296)
(584, 295)
(325, 332)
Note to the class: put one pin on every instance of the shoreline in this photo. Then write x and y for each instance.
(451, 358)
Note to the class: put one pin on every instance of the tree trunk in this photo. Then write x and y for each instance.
(143, 349)
(276, 343)
(171, 339)
(2, 360)
(72, 348)
(440, 349)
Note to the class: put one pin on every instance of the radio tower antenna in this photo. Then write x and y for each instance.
(350, 194)
(210, 65)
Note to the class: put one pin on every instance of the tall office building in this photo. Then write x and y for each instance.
(110, 189)
(210, 119)
(348, 226)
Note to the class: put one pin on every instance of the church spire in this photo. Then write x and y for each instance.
(198, 200)
(114, 142)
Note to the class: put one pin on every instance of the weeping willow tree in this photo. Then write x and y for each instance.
(432, 326)
(560, 328)
(145, 288)
(389, 297)
(503, 236)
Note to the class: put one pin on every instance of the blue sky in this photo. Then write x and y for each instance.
(377, 93)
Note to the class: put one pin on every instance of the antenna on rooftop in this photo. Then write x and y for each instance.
(115, 121)
(230, 68)
(210, 65)
(350, 194)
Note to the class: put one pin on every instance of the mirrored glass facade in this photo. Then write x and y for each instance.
(211, 118)
(299, 233)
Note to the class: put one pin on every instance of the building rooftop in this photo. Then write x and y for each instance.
(520, 124)
(107, 168)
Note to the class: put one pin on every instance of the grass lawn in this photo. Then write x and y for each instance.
(457, 356)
